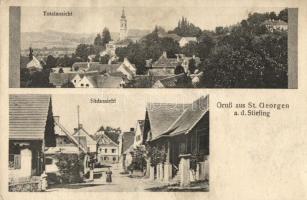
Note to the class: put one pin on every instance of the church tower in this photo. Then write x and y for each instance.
(123, 26)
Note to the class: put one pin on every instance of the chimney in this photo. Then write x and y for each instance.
(56, 119)
(131, 129)
(164, 54)
(76, 130)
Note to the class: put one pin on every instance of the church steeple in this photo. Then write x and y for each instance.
(123, 26)
(123, 13)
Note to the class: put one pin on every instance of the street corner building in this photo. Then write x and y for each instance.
(177, 139)
(31, 130)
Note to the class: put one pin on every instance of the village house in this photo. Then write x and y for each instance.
(108, 146)
(175, 81)
(127, 143)
(165, 62)
(186, 40)
(85, 139)
(95, 75)
(101, 81)
(65, 141)
(181, 131)
(272, 25)
(138, 138)
(31, 130)
(34, 64)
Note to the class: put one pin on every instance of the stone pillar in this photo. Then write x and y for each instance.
(148, 160)
(25, 162)
(206, 169)
(91, 174)
(152, 173)
(158, 171)
(184, 170)
(161, 172)
(167, 172)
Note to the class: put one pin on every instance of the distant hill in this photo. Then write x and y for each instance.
(52, 38)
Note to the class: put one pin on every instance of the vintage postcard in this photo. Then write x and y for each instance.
(153, 99)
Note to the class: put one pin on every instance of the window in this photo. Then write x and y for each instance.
(113, 150)
(106, 150)
(14, 161)
(138, 138)
(100, 149)
(75, 81)
(48, 161)
(87, 85)
(82, 84)
(114, 158)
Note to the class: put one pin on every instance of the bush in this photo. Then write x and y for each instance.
(138, 159)
(70, 167)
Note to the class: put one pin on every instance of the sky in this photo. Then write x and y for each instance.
(93, 20)
(129, 107)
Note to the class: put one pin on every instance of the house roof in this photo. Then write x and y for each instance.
(82, 132)
(58, 79)
(161, 72)
(34, 63)
(163, 62)
(112, 136)
(162, 116)
(28, 116)
(145, 81)
(189, 118)
(84, 65)
(109, 68)
(172, 81)
(103, 81)
(275, 22)
(128, 140)
(70, 136)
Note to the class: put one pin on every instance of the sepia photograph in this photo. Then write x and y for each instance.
(133, 47)
(108, 143)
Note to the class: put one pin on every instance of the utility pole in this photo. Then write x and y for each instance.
(78, 126)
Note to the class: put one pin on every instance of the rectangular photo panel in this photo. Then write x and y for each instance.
(108, 143)
(173, 47)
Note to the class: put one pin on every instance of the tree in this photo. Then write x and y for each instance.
(179, 70)
(192, 66)
(84, 50)
(106, 36)
(186, 29)
(98, 40)
(170, 46)
(50, 62)
(283, 15)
